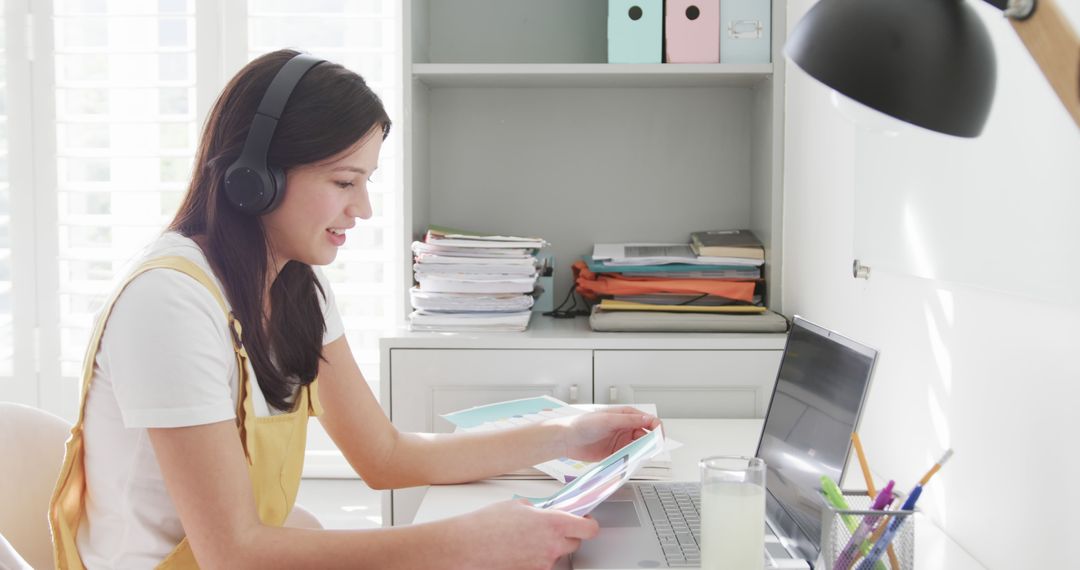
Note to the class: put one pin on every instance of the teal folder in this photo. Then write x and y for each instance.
(601, 267)
(635, 31)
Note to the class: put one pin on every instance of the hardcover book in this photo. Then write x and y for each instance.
(727, 243)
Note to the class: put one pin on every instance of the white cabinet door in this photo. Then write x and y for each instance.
(689, 383)
(425, 383)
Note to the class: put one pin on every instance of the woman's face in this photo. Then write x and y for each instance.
(322, 201)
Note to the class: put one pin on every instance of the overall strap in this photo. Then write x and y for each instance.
(67, 503)
(314, 403)
(177, 263)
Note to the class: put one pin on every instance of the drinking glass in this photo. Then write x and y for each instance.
(732, 513)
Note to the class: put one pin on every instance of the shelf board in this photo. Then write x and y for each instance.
(590, 74)
(575, 334)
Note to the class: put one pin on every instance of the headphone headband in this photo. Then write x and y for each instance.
(251, 185)
(273, 104)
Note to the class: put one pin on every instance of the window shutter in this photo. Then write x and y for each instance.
(18, 287)
(126, 132)
(120, 89)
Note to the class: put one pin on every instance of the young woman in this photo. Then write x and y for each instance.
(202, 372)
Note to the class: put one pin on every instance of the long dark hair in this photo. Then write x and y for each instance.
(327, 113)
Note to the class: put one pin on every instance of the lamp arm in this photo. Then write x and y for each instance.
(1052, 41)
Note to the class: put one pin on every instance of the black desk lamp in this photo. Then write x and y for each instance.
(930, 62)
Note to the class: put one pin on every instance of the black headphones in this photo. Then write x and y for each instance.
(251, 185)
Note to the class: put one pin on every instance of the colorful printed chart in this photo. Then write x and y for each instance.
(525, 411)
(513, 413)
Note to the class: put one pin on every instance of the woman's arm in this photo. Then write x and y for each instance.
(207, 478)
(387, 458)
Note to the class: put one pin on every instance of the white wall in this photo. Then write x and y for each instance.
(996, 376)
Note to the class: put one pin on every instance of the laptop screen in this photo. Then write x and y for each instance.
(815, 407)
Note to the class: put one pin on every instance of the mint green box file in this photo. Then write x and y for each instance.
(745, 31)
(635, 31)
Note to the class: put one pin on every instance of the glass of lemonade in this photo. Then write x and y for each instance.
(732, 513)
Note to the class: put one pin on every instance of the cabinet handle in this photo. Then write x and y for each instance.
(613, 395)
(573, 393)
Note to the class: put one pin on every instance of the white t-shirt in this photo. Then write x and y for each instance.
(166, 360)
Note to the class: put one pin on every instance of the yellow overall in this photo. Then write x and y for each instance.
(274, 445)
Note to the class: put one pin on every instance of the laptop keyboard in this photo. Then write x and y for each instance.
(674, 509)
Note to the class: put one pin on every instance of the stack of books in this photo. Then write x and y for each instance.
(471, 282)
(712, 283)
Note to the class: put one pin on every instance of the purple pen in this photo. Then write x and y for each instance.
(850, 552)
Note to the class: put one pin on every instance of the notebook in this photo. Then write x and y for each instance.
(816, 402)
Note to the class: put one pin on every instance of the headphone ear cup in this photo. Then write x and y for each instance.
(277, 189)
(251, 186)
(246, 188)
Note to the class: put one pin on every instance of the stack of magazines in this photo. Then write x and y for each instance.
(471, 282)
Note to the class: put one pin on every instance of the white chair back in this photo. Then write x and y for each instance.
(31, 453)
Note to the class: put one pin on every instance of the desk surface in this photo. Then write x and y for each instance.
(933, 549)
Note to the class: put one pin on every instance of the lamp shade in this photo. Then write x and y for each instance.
(928, 62)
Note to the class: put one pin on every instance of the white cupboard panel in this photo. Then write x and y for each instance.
(689, 383)
(428, 383)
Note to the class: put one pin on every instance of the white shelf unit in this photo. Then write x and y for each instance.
(514, 123)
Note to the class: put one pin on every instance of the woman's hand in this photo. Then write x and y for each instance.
(515, 535)
(596, 435)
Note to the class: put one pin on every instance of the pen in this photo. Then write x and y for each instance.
(836, 499)
(890, 532)
(848, 554)
(926, 478)
(863, 464)
(870, 492)
(897, 522)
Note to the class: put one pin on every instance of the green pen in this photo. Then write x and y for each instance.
(836, 499)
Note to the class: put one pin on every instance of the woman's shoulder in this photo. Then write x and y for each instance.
(167, 245)
(162, 291)
(166, 348)
(173, 244)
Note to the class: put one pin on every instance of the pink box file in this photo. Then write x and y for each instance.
(692, 31)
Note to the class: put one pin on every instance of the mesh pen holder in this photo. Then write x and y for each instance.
(836, 534)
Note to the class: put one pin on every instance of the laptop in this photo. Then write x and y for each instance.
(815, 406)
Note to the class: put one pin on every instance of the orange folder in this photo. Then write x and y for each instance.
(593, 286)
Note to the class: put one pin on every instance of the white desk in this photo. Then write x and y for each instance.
(933, 549)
